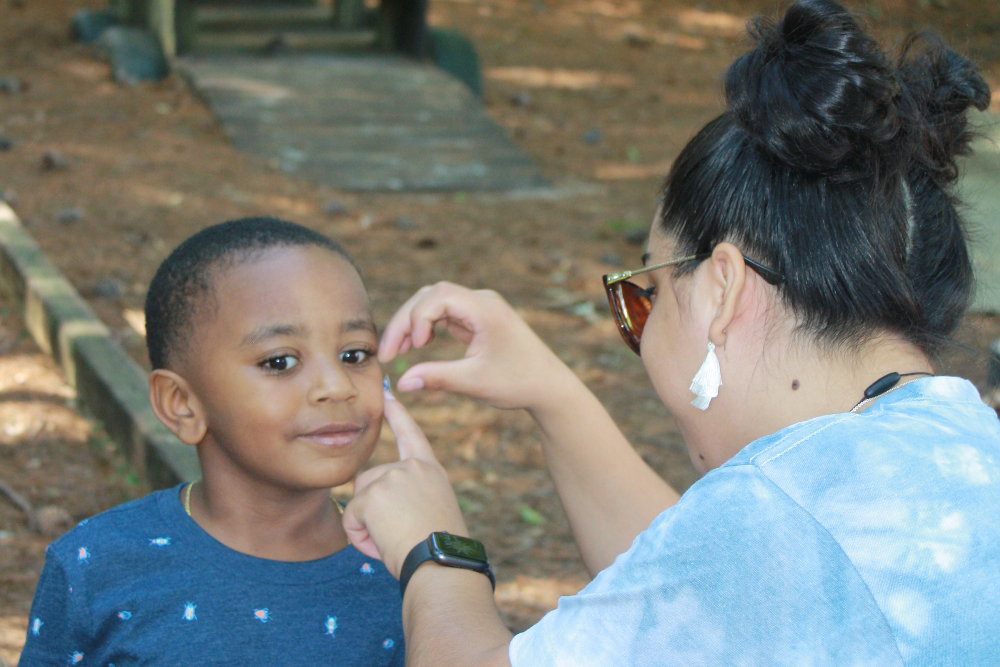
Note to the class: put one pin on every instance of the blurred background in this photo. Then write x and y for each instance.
(511, 144)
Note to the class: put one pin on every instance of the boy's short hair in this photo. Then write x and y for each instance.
(185, 277)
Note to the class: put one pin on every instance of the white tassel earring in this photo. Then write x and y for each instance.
(707, 380)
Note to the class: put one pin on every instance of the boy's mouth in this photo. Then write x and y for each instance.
(339, 434)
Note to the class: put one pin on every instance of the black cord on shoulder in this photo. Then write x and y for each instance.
(887, 382)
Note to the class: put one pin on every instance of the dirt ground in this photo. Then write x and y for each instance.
(54, 458)
(602, 93)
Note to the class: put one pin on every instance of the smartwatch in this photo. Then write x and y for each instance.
(448, 550)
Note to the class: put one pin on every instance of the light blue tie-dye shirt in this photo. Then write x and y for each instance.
(847, 540)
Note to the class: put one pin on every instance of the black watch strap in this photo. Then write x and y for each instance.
(423, 552)
(418, 554)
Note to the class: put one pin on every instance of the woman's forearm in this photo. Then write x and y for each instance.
(609, 493)
(450, 618)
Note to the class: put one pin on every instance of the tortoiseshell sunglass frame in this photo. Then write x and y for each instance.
(631, 304)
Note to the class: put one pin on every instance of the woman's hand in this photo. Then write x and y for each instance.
(397, 505)
(506, 364)
(449, 614)
(609, 493)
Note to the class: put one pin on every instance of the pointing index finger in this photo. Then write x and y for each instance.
(410, 440)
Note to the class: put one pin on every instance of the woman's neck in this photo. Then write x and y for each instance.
(807, 381)
(837, 380)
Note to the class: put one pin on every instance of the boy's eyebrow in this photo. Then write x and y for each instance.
(268, 331)
(358, 325)
(645, 258)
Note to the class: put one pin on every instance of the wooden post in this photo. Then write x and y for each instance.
(161, 22)
(347, 14)
(402, 26)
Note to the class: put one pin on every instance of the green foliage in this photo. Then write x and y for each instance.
(469, 506)
(625, 225)
(530, 515)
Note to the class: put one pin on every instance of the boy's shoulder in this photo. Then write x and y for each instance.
(120, 524)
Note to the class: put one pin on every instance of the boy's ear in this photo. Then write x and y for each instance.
(176, 406)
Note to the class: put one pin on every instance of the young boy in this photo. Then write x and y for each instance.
(263, 347)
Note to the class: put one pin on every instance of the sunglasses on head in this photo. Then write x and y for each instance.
(631, 304)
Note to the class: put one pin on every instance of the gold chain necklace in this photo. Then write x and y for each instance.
(187, 500)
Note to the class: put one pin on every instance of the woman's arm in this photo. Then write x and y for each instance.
(609, 493)
(449, 614)
(450, 618)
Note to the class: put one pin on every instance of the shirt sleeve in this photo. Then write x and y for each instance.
(50, 625)
(735, 574)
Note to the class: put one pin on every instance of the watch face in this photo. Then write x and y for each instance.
(459, 547)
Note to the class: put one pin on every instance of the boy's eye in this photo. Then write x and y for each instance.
(279, 363)
(354, 357)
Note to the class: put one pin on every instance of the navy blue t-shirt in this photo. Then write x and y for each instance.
(143, 584)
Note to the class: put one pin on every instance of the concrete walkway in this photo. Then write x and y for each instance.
(361, 123)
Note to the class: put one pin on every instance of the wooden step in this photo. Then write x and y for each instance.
(289, 40)
(224, 18)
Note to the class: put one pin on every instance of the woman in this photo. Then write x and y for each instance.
(808, 256)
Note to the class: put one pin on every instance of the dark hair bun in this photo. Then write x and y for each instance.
(939, 86)
(818, 94)
(834, 167)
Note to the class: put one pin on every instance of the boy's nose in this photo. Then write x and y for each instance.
(331, 383)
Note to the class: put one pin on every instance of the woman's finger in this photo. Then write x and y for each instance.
(448, 303)
(411, 499)
(410, 440)
(456, 376)
(397, 332)
(357, 533)
(366, 477)
(356, 527)
(415, 320)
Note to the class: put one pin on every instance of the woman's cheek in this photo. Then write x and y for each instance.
(656, 357)
(669, 360)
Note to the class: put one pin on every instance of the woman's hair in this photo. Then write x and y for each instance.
(834, 167)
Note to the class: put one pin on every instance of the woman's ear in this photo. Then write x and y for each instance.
(176, 406)
(728, 274)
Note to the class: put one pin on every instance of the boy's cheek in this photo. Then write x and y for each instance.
(374, 393)
(374, 440)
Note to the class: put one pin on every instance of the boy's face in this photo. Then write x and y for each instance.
(285, 369)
